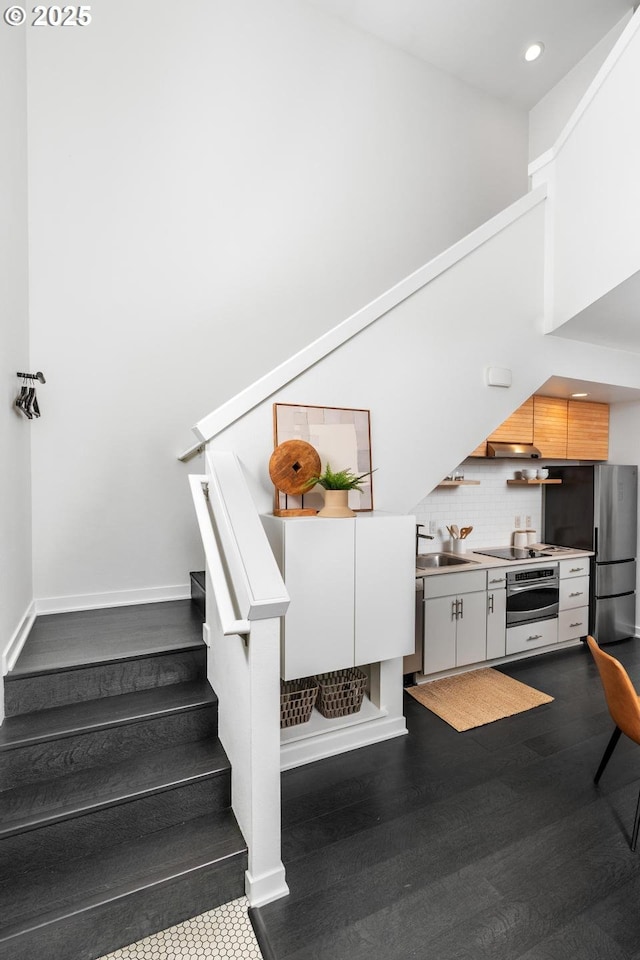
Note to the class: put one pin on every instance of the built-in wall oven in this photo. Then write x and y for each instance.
(533, 594)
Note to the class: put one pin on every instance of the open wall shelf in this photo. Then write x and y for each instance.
(528, 483)
(459, 483)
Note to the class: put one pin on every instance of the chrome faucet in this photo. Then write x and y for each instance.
(421, 536)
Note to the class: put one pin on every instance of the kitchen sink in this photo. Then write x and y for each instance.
(425, 561)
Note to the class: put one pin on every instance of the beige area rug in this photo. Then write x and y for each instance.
(472, 699)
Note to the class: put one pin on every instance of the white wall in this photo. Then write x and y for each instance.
(15, 430)
(209, 192)
(595, 184)
(551, 114)
(490, 508)
(420, 370)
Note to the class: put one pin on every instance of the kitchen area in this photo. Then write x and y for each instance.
(525, 548)
(548, 546)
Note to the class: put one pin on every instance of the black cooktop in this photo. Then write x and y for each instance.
(514, 553)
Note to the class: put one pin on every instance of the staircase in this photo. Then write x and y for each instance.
(115, 817)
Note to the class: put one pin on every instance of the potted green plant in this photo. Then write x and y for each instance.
(336, 488)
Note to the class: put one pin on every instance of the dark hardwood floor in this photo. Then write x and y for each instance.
(493, 843)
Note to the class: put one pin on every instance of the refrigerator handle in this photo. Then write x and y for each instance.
(595, 541)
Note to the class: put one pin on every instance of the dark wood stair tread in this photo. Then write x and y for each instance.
(90, 715)
(50, 801)
(65, 640)
(75, 885)
(115, 817)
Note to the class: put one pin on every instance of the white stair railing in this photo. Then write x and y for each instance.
(246, 597)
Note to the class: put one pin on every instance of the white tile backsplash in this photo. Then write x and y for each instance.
(490, 508)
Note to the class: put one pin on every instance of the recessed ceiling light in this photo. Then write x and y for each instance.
(578, 395)
(533, 51)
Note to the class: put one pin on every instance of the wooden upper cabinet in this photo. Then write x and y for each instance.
(480, 450)
(518, 428)
(550, 426)
(587, 430)
(560, 429)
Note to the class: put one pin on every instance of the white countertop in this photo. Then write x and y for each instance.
(482, 562)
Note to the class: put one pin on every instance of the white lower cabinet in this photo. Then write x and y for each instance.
(573, 618)
(440, 629)
(455, 622)
(529, 636)
(574, 568)
(573, 624)
(351, 584)
(574, 592)
(317, 632)
(496, 621)
(465, 617)
(471, 637)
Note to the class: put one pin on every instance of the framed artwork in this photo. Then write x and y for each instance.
(342, 438)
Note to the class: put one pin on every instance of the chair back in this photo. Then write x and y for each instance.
(620, 694)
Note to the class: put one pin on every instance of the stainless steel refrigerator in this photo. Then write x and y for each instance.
(595, 508)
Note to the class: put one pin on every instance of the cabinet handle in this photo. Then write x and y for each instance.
(578, 624)
(576, 569)
(454, 609)
(537, 636)
(578, 593)
(490, 599)
(461, 602)
(497, 581)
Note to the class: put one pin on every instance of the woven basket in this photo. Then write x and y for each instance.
(297, 698)
(341, 692)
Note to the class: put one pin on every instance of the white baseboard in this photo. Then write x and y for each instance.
(266, 888)
(116, 598)
(18, 638)
(310, 749)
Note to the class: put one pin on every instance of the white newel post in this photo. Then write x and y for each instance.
(265, 879)
(245, 672)
(245, 599)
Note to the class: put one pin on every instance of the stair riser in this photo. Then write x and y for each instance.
(95, 932)
(54, 758)
(198, 594)
(88, 834)
(32, 693)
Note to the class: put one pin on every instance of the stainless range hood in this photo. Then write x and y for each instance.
(513, 451)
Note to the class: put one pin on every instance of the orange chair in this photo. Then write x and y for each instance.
(624, 707)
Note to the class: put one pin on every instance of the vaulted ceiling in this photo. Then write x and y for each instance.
(482, 41)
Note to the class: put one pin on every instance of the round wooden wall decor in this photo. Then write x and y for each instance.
(292, 465)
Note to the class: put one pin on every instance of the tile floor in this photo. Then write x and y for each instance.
(221, 934)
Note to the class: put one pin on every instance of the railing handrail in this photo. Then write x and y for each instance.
(245, 579)
(237, 406)
(192, 451)
(229, 620)
(592, 91)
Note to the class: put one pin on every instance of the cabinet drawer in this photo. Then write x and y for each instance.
(574, 592)
(529, 636)
(451, 584)
(496, 579)
(573, 624)
(574, 568)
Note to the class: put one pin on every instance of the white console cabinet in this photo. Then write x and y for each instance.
(351, 583)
